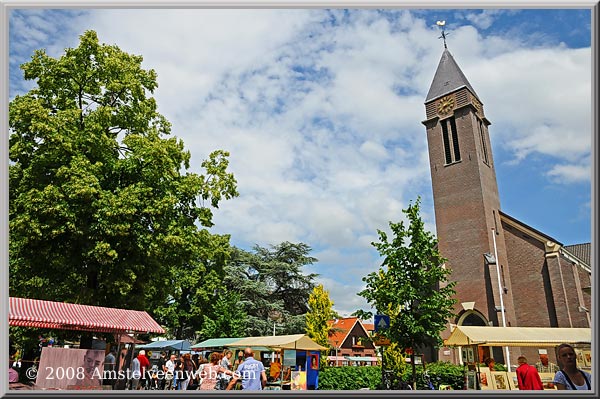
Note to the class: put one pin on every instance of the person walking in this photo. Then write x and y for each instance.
(570, 377)
(170, 372)
(251, 372)
(110, 361)
(212, 371)
(135, 374)
(188, 371)
(527, 376)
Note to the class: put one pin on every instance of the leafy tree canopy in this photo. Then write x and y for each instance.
(103, 210)
(411, 286)
(273, 287)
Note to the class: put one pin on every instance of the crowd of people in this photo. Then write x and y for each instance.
(194, 372)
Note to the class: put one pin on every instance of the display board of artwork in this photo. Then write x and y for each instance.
(500, 380)
(485, 378)
(66, 368)
(513, 381)
(587, 358)
(298, 381)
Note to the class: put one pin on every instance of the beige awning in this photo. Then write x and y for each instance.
(296, 341)
(518, 336)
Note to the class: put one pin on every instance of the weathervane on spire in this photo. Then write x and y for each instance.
(441, 25)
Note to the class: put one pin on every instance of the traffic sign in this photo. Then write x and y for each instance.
(381, 322)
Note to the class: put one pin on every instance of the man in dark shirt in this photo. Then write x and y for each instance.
(162, 368)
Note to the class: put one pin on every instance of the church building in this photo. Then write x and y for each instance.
(507, 272)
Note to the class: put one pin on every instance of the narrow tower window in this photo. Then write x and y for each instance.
(455, 140)
(446, 142)
(450, 138)
(483, 143)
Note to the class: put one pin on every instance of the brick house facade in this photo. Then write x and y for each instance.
(347, 339)
(543, 283)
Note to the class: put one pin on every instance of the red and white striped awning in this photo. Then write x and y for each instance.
(69, 316)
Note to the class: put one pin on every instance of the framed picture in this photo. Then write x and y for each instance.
(587, 358)
(500, 380)
(513, 381)
(547, 379)
(485, 378)
(298, 381)
(579, 354)
(314, 362)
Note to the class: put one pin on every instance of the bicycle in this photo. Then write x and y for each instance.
(427, 381)
(390, 381)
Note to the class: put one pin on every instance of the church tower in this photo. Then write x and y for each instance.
(466, 199)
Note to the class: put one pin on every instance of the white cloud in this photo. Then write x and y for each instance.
(570, 173)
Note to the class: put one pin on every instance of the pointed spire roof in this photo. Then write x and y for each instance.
(448, 78)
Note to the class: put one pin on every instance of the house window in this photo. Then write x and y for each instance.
(353, 340)
(483, 143)
(450, 138)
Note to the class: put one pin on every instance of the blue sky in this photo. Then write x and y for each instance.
(321, 111)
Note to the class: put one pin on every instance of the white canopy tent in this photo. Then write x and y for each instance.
(295, 341)
(518, 336)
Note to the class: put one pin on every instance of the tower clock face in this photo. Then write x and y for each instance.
(445, 105)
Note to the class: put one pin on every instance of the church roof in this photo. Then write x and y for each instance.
(582, 251)
(448, 78)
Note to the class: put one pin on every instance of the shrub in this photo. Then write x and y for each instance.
(349, 378)
(440, 373)
(357, 377)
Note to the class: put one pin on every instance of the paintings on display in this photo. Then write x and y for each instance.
(314, 362)
(587, 358)
(500, 380)
(298, 381)
(485, 378)
(513, 381)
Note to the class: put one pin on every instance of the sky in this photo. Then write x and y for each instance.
(321, 112)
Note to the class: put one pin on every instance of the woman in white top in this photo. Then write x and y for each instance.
(570, 377)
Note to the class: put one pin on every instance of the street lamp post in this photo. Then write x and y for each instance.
(500, 291)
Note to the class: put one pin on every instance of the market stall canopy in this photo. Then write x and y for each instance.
(214, 343)
(36, 313)
(296, 341)
(169, 345)
(518, 336)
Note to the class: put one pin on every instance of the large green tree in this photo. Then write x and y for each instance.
(320, 311)
(411, 286)
(273, 287)
(103, 207)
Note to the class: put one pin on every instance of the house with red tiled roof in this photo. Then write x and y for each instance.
(370, 327)
(349, 343)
